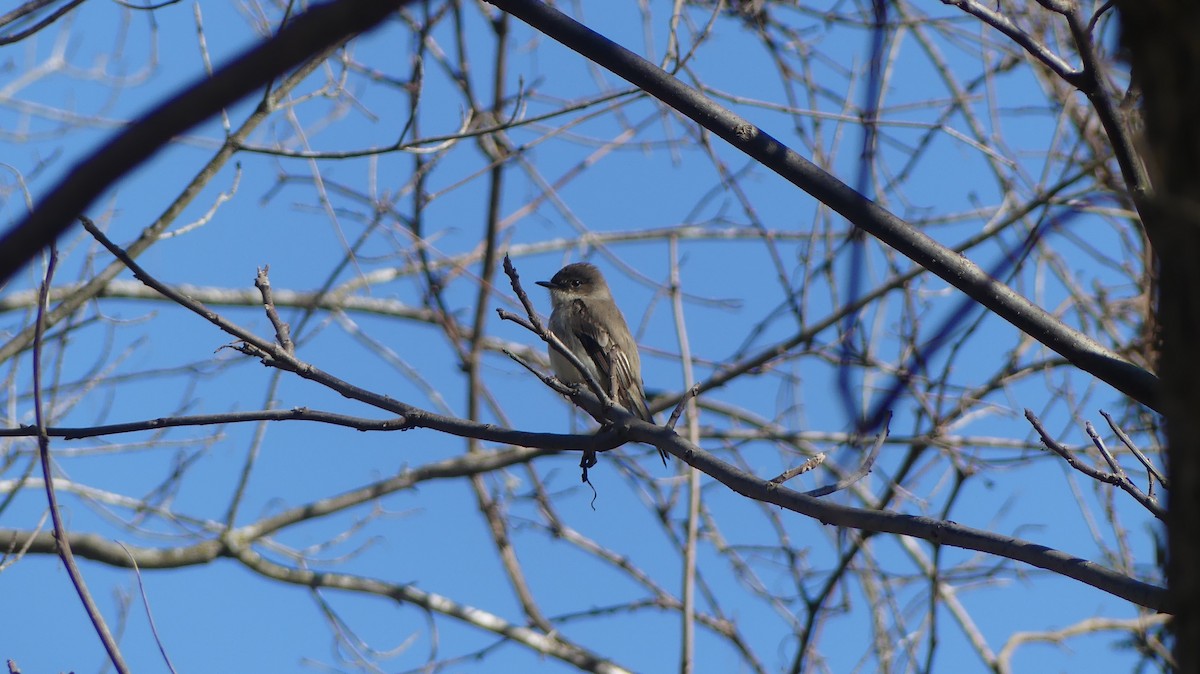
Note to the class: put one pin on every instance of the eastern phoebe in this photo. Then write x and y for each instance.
(587, 320)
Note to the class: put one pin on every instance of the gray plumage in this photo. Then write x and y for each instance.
(587, 320)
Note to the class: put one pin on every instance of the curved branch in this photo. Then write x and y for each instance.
(937, 531)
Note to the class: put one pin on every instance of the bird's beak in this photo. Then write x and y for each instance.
(547, 284)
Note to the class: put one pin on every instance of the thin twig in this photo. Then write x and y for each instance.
(1115, 479)
(864, 467)
(514, 278)
(808, 465)
(146, 605)
(1108, 457)
(1108, 4)
(262, 281)
(546, 379)
(60, 531)
(689, 394)
(1128, 442)
(293, 414)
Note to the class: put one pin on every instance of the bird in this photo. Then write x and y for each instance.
(586, 319)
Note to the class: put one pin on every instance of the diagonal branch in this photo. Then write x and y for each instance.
(307, 34)
(1081, 350)
(943, 532)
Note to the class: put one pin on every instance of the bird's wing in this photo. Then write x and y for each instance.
(598, 344)
(617, 373)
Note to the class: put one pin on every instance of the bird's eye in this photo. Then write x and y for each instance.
(575, 283)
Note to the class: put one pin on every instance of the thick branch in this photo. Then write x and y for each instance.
(937, 531)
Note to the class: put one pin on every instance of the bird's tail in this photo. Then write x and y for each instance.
(642, 411)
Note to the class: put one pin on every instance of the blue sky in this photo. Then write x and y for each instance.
(221, 617)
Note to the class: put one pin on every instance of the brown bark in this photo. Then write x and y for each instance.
(1160, 37)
